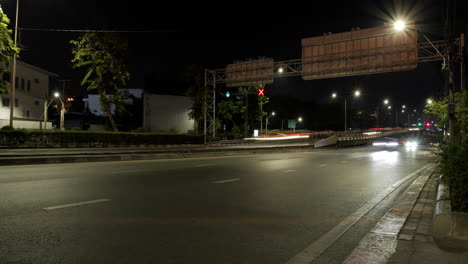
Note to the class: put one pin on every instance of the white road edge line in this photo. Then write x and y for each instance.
(323, 165)
(224, 181)
(311, 252)
(289, 170)
(76, 204)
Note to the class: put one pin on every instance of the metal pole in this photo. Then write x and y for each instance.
(214, 105)
(204, 107)
(396, 118)
(345, 125)
(377, 117)
(46, 105)
(462, 81)
(246, 130)
(266, 126)
(261, 118)
(62, 116)
(13, 74)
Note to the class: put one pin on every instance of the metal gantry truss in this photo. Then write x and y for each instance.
(429, 51)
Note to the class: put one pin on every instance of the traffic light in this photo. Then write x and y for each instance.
(228, 94)
(261, 92)
(419, 124)
(428, 124)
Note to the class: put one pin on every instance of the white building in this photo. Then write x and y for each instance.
(167, 113)
(32, 92)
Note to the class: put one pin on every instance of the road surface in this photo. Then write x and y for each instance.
(263, 208)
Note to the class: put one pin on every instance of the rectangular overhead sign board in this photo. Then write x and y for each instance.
(362, 51)
(250, 73)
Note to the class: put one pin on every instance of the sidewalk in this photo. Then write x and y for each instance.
(415, 243)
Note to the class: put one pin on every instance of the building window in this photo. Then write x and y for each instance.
(6, 76)
(5, 102)
(22, 84)
(16, 102)
(16, 82)
(28, 85)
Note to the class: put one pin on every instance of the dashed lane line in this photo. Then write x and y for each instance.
(76, 204)
(225, 181)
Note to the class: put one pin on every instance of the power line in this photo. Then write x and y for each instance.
(94, 30)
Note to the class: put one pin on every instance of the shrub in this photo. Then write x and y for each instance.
(139, 130)
(88, 138)
(7, 128)
(453, 164)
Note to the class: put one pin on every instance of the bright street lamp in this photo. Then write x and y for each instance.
(62, 111)
(268, 117)
(333, 95)
(429, 101)
(280, 70)
(357, 93)
(389, 107)
(399, 25)
(385, 101)
(299, 119)
(404, 106)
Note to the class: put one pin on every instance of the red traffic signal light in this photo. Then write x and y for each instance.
(261, 92)
(428, 124)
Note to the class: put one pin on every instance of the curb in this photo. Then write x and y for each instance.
(449, 229)
(146, 155)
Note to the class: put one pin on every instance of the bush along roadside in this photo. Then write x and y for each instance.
(453, 164)
(17, 138)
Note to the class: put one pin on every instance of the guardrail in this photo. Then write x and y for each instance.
(342, 139)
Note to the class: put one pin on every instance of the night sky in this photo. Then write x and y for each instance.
(216, 34)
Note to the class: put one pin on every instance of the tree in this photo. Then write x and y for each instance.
(103, 57)
(7, 50)
(196, 89)
(438, 108)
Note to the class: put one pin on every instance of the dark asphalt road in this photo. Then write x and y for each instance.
(240, 209)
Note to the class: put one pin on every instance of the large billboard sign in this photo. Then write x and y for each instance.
(363, 51)
(250, 73)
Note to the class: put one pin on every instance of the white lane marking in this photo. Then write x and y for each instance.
(344, 161)
(123, 171)
(224, 181)
(204, 165)
(76, 204)
(314, 250)
(289, 170)
(323, 165)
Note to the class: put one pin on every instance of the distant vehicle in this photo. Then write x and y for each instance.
(386, 142)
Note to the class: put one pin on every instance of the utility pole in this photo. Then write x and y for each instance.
(377, 116)
(396, 118)
(214, 106)
(246, 129)
(13, 74)
(462, 80)
(345, 125)
(204, 105)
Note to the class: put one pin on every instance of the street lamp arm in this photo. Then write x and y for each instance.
(438, 52)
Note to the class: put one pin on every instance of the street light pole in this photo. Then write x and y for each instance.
(13, 76)
(345, 125)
